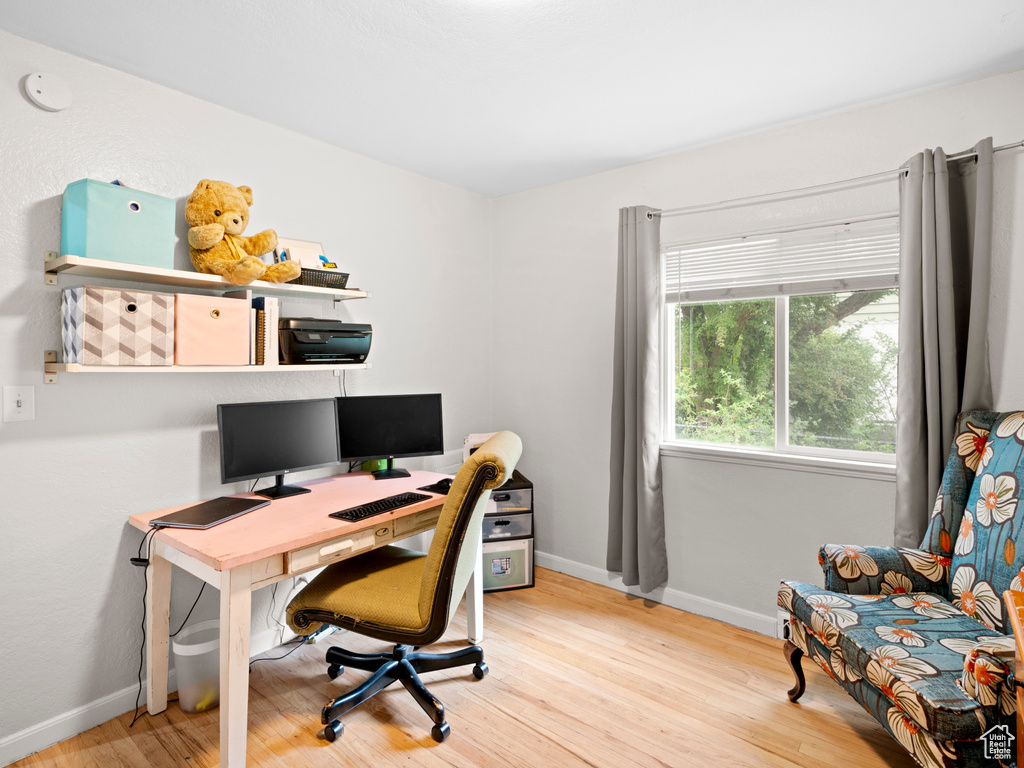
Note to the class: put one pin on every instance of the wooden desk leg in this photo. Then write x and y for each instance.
(158, 613)
(475, 603)
(235, 615)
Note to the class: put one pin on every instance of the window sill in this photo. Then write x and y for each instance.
(867, 470)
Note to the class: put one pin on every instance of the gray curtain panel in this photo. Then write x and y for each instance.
(945, 268)
(636, 512)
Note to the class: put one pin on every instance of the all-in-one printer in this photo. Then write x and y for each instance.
(311, 340)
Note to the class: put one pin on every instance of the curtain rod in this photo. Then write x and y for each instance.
(796, 194)
(796, 228)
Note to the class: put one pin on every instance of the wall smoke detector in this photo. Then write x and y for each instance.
(47, 91)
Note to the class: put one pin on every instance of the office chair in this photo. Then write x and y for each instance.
(407, 598)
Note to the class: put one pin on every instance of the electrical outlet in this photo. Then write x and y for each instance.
(19, 403)
(782, 625)
(325, 630)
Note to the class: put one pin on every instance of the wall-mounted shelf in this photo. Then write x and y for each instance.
(81, 266)
(54, 368)
(51, 368)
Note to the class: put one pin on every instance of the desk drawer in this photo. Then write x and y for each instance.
(328, 552)
(421, 521)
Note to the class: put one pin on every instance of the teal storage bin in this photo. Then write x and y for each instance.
(115, 223)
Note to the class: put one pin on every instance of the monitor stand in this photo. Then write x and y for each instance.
(391, 472)
(280, 490)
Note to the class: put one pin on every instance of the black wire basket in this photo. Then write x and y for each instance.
(322, 278)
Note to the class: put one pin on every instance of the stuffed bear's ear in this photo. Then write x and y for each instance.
(204, 183)
(247, 194)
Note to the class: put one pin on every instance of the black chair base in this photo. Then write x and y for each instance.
(404, 664)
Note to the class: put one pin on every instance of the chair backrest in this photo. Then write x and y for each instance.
(975, 516)
(969, 440)
(455, 548)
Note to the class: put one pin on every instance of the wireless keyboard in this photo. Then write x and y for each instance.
(379, 507)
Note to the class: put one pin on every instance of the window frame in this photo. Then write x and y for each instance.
(782, 455)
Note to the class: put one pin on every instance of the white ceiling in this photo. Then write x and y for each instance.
(504, 95)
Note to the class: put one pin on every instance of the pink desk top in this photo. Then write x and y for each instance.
(293, 522)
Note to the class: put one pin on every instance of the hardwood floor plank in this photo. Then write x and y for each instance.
(581, 675)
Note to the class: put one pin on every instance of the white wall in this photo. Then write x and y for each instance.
(103, 447)
(733, 531)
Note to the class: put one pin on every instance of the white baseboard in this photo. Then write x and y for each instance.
(81, 719)
(684, 601)
(68, 724)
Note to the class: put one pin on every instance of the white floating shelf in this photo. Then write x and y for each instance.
(79, 265)
(77, 368)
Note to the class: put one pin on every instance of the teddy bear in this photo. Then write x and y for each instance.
(217, 213)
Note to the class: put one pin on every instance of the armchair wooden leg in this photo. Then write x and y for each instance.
(793, 655)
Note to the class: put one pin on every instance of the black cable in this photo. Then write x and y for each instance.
(299, 642)
(273, 605)
(142, 649)
(152, 531)
(175, 634)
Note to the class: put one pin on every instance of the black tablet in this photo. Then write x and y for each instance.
(208, 513)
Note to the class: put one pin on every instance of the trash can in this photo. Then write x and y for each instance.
(197, 661)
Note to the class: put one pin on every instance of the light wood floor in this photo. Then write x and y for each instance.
(581, 675)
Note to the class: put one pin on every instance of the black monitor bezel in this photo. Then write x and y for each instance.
(390, 456)
(277, 472)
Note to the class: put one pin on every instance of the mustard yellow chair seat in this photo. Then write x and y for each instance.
(408, 598)
(380, 588)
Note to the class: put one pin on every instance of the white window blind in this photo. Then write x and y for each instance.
(814, 259)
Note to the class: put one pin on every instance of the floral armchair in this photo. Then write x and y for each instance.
(919, 636)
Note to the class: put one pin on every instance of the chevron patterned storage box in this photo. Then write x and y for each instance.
(105, 326)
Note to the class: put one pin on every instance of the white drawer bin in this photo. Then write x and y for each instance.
(509, 501)
(507, 564)
(508, 526)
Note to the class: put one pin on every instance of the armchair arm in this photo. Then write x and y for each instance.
(986, 667)
(855, 570)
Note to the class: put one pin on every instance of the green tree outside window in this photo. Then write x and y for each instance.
(842, 371)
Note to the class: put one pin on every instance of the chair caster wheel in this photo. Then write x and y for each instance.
(332, 731)
(334, 670)
(440, 732)
(480, 670)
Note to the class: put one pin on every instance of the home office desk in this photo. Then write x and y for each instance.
(285, 538)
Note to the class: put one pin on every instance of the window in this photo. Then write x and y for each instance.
(785, 341)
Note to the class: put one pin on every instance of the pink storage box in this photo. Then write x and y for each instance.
(210, 330)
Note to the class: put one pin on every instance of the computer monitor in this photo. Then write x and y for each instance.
(262, 439)
(389, 427)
